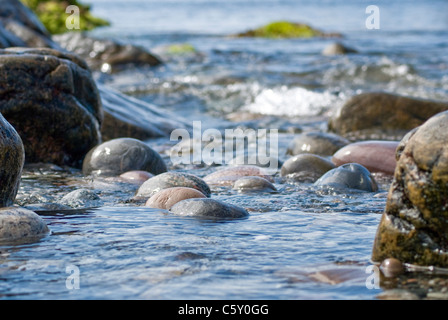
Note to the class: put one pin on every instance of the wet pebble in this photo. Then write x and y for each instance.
(320, 143)
(136, 176)
(246, 184)
(351, 176)
(376, 156)
(166, 198)
(306, 167)
(170, 180)
(20, 224)
(81, 198)
(228, 176)
(391, 267)
(117, 156)
(337, 49)
(208, 208)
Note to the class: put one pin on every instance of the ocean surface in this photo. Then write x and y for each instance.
(300, 243)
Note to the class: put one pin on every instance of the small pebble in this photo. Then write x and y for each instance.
(253, 184)
(392, 267)
(208, 208)
(166, 198)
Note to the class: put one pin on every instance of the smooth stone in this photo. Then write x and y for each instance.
(320, 143)
(81, 198)
(351, 176)
(382, 116)
(265, 162)
(306, 167)
(376, 156)
(208, 208)
(253, 184)
(66, 108)
(414, 226)
(392, 267)
(337, 49)
(136, 176)
(12, 157)
(166, 198)
(20, 224)
(117, 156)
(228, 176)
(169, 180)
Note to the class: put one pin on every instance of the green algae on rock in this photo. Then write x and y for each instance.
(52, 14)
(414, 226)
(286, 29)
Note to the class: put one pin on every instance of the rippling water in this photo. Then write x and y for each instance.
(300, 243)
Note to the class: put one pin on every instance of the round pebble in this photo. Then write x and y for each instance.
(253, 184)
(228, 176)
(170, 180)
(208, 208)
(136, 176)
(376, 156)
(20, 224)
(392, 267)
(306, 167)
(351, 176)
(166, 198)
(320, 143)
(81, 198)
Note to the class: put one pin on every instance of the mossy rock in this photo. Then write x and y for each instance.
(285, 29)
(52, 13)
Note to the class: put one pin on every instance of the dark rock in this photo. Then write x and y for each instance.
(125, 116)
(166, 198)
(117, 156)
(376, 156)
(369, 116)
(414, 226)
(170, 180)
(20, 224)
(320, 143)
(337, 49)
(105, 55)
(306, 167)
(351, 176)
(12, 157)
(245, 184)
(52, 101)
(207, 208)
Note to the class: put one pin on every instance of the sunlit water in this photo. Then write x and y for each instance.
(292, 237)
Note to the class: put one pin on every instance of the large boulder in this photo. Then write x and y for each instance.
(105, 54)
(20, 27)
(414, 226)
(52, 101)
(382, 116)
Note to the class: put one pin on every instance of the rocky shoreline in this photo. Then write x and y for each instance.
(94, 139)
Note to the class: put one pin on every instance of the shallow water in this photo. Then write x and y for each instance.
(302, 242)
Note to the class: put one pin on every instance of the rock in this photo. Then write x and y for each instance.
(285, 29)
(320, 143)
(414, 226)
(376, 156)
(105, 55)
(125, 116)
(117, 156)
(136, 176)
(350, 175)
(21, 224)
(391, 267)
(58, 90)
(19, 27)
(12, 158)
(81, 198)
(246, 184)
(306, 167)
(228, 176)
(170, 180)
(337, 49)
(208, 208)
(382, 116)
(166, 198)
(266, 161)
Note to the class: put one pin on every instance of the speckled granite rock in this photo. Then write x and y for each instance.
(208, 208)
(20, 224)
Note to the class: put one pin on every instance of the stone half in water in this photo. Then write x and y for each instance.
(166, 198)
(19, 224)
(349, 176)
(209, 208)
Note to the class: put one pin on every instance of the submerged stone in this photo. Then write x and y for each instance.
(117, 156)
(81, 198)
(169, 180)
(166, 198)
(228, 176)
(208, 208)
(414, 226)
(20, 224)
(246, 184)
(351, 176)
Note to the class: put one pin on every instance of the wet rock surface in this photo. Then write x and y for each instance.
(81, 198)
(414, 225)
(210, 208)
(19, 224)
(58, 90)
(117, 156)
(351, 176)
(228, 176)
(166, 198)
(257, 184)
(320, 143)
(368, 116)
(306, 167)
